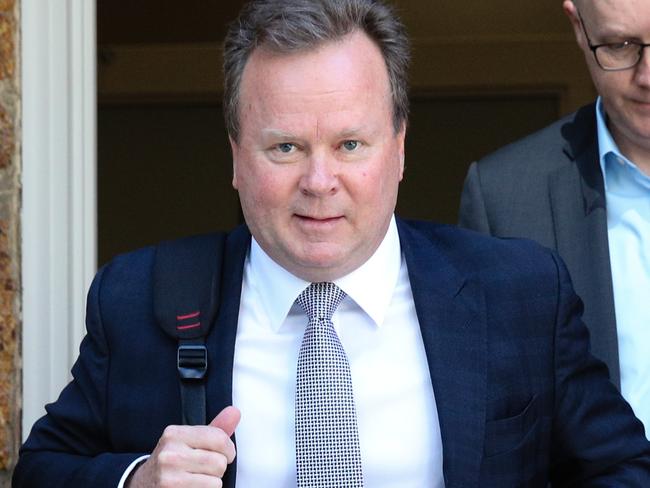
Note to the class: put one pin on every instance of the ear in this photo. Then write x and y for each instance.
(235, 156)
(572, 13)
(401, 137)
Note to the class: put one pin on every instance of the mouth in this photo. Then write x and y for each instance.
(318, 221)
(309, 218)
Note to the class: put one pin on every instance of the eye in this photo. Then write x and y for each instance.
(619, 46)
(350, 145)
(285, 147)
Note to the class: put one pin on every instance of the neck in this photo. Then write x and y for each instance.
(639, 154)
(640, 158)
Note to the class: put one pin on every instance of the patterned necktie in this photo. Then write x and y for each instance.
(327, 439)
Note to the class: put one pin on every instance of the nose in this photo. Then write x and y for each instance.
(320, 177)
(642, 70)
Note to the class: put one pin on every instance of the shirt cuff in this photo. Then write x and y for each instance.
(130, 469)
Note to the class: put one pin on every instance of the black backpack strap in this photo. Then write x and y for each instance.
(187, 275)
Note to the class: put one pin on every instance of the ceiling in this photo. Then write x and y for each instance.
(171, 21)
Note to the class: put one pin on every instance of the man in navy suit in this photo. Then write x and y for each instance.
(468, 362)
(582, 185)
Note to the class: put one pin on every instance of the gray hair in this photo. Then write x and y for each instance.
(287, 26)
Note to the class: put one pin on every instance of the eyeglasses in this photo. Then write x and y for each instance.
(615, 56)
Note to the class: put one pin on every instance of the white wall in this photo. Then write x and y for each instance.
(59, 190)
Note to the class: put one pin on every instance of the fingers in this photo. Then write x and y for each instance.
(227, 420)
(191, 481)
(147, 476)
(184, 460)
(198, 437)
(191, 455)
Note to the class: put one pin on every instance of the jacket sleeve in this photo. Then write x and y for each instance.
(472, 213)
(70, 447)
(597, 440)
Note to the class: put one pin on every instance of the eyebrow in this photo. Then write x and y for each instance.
(605, 33)
(608, 35)
(278, 134)
(351, 132)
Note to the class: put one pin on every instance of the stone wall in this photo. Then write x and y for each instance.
(9, 238)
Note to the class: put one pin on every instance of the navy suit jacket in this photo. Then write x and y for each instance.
(520, 399)
(548, 187)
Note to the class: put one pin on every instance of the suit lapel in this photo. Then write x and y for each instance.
(451, 314)
(577, 197)
(221, 343)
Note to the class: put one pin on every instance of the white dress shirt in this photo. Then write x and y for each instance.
(399, 431)
(628, 227)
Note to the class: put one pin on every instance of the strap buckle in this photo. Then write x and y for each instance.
(192, 361)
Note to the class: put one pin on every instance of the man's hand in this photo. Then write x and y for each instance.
(190, 456)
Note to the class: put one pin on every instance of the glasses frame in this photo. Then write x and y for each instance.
(594, 47)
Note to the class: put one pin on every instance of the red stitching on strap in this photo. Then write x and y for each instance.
(191, 326)
(192, 315)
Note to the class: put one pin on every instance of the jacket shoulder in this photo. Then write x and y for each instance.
(476, 253)
(130, 276)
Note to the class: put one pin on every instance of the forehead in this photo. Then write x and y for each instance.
(625, 16)
(335, 71)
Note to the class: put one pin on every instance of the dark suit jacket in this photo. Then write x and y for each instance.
(548, 187)
(518, 395)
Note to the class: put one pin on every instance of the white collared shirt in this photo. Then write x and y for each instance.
(627, 192)
(399, 431)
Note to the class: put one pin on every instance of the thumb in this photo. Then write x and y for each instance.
(227, 420)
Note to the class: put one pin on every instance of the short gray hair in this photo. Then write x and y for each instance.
(287, 26)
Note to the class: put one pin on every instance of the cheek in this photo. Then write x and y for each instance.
(269, 191)
(612, 87)
(251, 184)
(378, 185)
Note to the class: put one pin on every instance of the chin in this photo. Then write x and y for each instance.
(321, 267)
(320, 263)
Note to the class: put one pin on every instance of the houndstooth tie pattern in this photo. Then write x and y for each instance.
(327, 439)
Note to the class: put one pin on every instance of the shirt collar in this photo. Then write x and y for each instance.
(619, 172)
(371, 286)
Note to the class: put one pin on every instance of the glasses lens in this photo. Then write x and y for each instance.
(618, 56)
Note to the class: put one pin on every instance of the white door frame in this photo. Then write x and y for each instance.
(59, 105)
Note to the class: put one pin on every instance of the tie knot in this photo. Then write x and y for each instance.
(319, 300)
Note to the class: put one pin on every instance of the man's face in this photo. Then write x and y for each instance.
(318, 162)
(625, 94)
